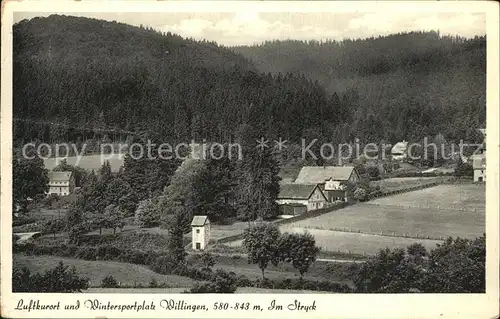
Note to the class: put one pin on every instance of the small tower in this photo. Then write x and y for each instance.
(200, 230)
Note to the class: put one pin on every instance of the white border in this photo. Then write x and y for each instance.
(328, 305)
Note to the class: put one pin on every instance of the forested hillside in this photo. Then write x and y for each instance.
(406, 85)
(91, 73)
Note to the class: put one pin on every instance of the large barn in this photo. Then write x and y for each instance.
(332, 180)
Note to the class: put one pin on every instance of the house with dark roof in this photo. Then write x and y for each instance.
(332, 180)
(200, 232)
(295, 199)
(61, 183)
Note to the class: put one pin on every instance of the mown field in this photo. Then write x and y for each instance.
(355, 243)
(424, 216)
(441, 211)
(124, 273)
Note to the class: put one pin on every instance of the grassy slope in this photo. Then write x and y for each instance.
(127, 274)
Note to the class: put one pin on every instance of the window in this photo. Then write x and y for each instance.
(198, 246)
(197, 231)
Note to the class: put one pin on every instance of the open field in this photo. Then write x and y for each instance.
(124, 273)
(396, 183)
(469, 197)
(437, 212)
(221, 231)
(356, 243)
(441, 211)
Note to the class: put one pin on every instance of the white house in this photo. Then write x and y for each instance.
(309, 196)
(61, 183)
(200, 230)
(479, 161)
(479, 166)
(399, 151)
(332, 180)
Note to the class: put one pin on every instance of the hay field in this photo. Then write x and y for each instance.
(436, 212)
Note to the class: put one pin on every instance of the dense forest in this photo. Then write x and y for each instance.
(82, 72)
(89, 73)
(405, 85)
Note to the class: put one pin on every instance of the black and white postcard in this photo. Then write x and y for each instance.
(250, 159)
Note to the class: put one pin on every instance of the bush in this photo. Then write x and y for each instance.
(463, 169)
(57, 279)
(360, 194)
(164, 265)
(223, 282)
(86, 253)
(22, 220)
(207, 260)
(153, 283)
(302, 284)
(109, 282)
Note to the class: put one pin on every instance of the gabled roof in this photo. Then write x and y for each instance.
(200, 220)
(59, 176)
(321, 174)
(400, 147)
(296, 191)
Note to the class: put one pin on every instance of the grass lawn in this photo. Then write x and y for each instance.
(396, 183)
(469, 197)
(221, 231)
(441, 211)
(124, 273)
(358, 243)
(355, 243)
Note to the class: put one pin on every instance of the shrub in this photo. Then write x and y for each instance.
(207, 260)
(223, 282)
(86, 253)
(153, 283)
(243, 281)
(164, 265)
(57, 279)
(22, 220)
(109, 282)
(360, 194)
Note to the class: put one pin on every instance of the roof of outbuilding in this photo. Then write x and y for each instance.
(200, 220)
(321, 174)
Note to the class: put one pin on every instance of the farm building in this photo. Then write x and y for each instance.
(479, 166)
(302, 197)
(479, 161)
(61, 183)
(331, 179)
(200, 230)
(399, 151)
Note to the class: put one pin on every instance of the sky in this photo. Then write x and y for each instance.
(246, 28)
